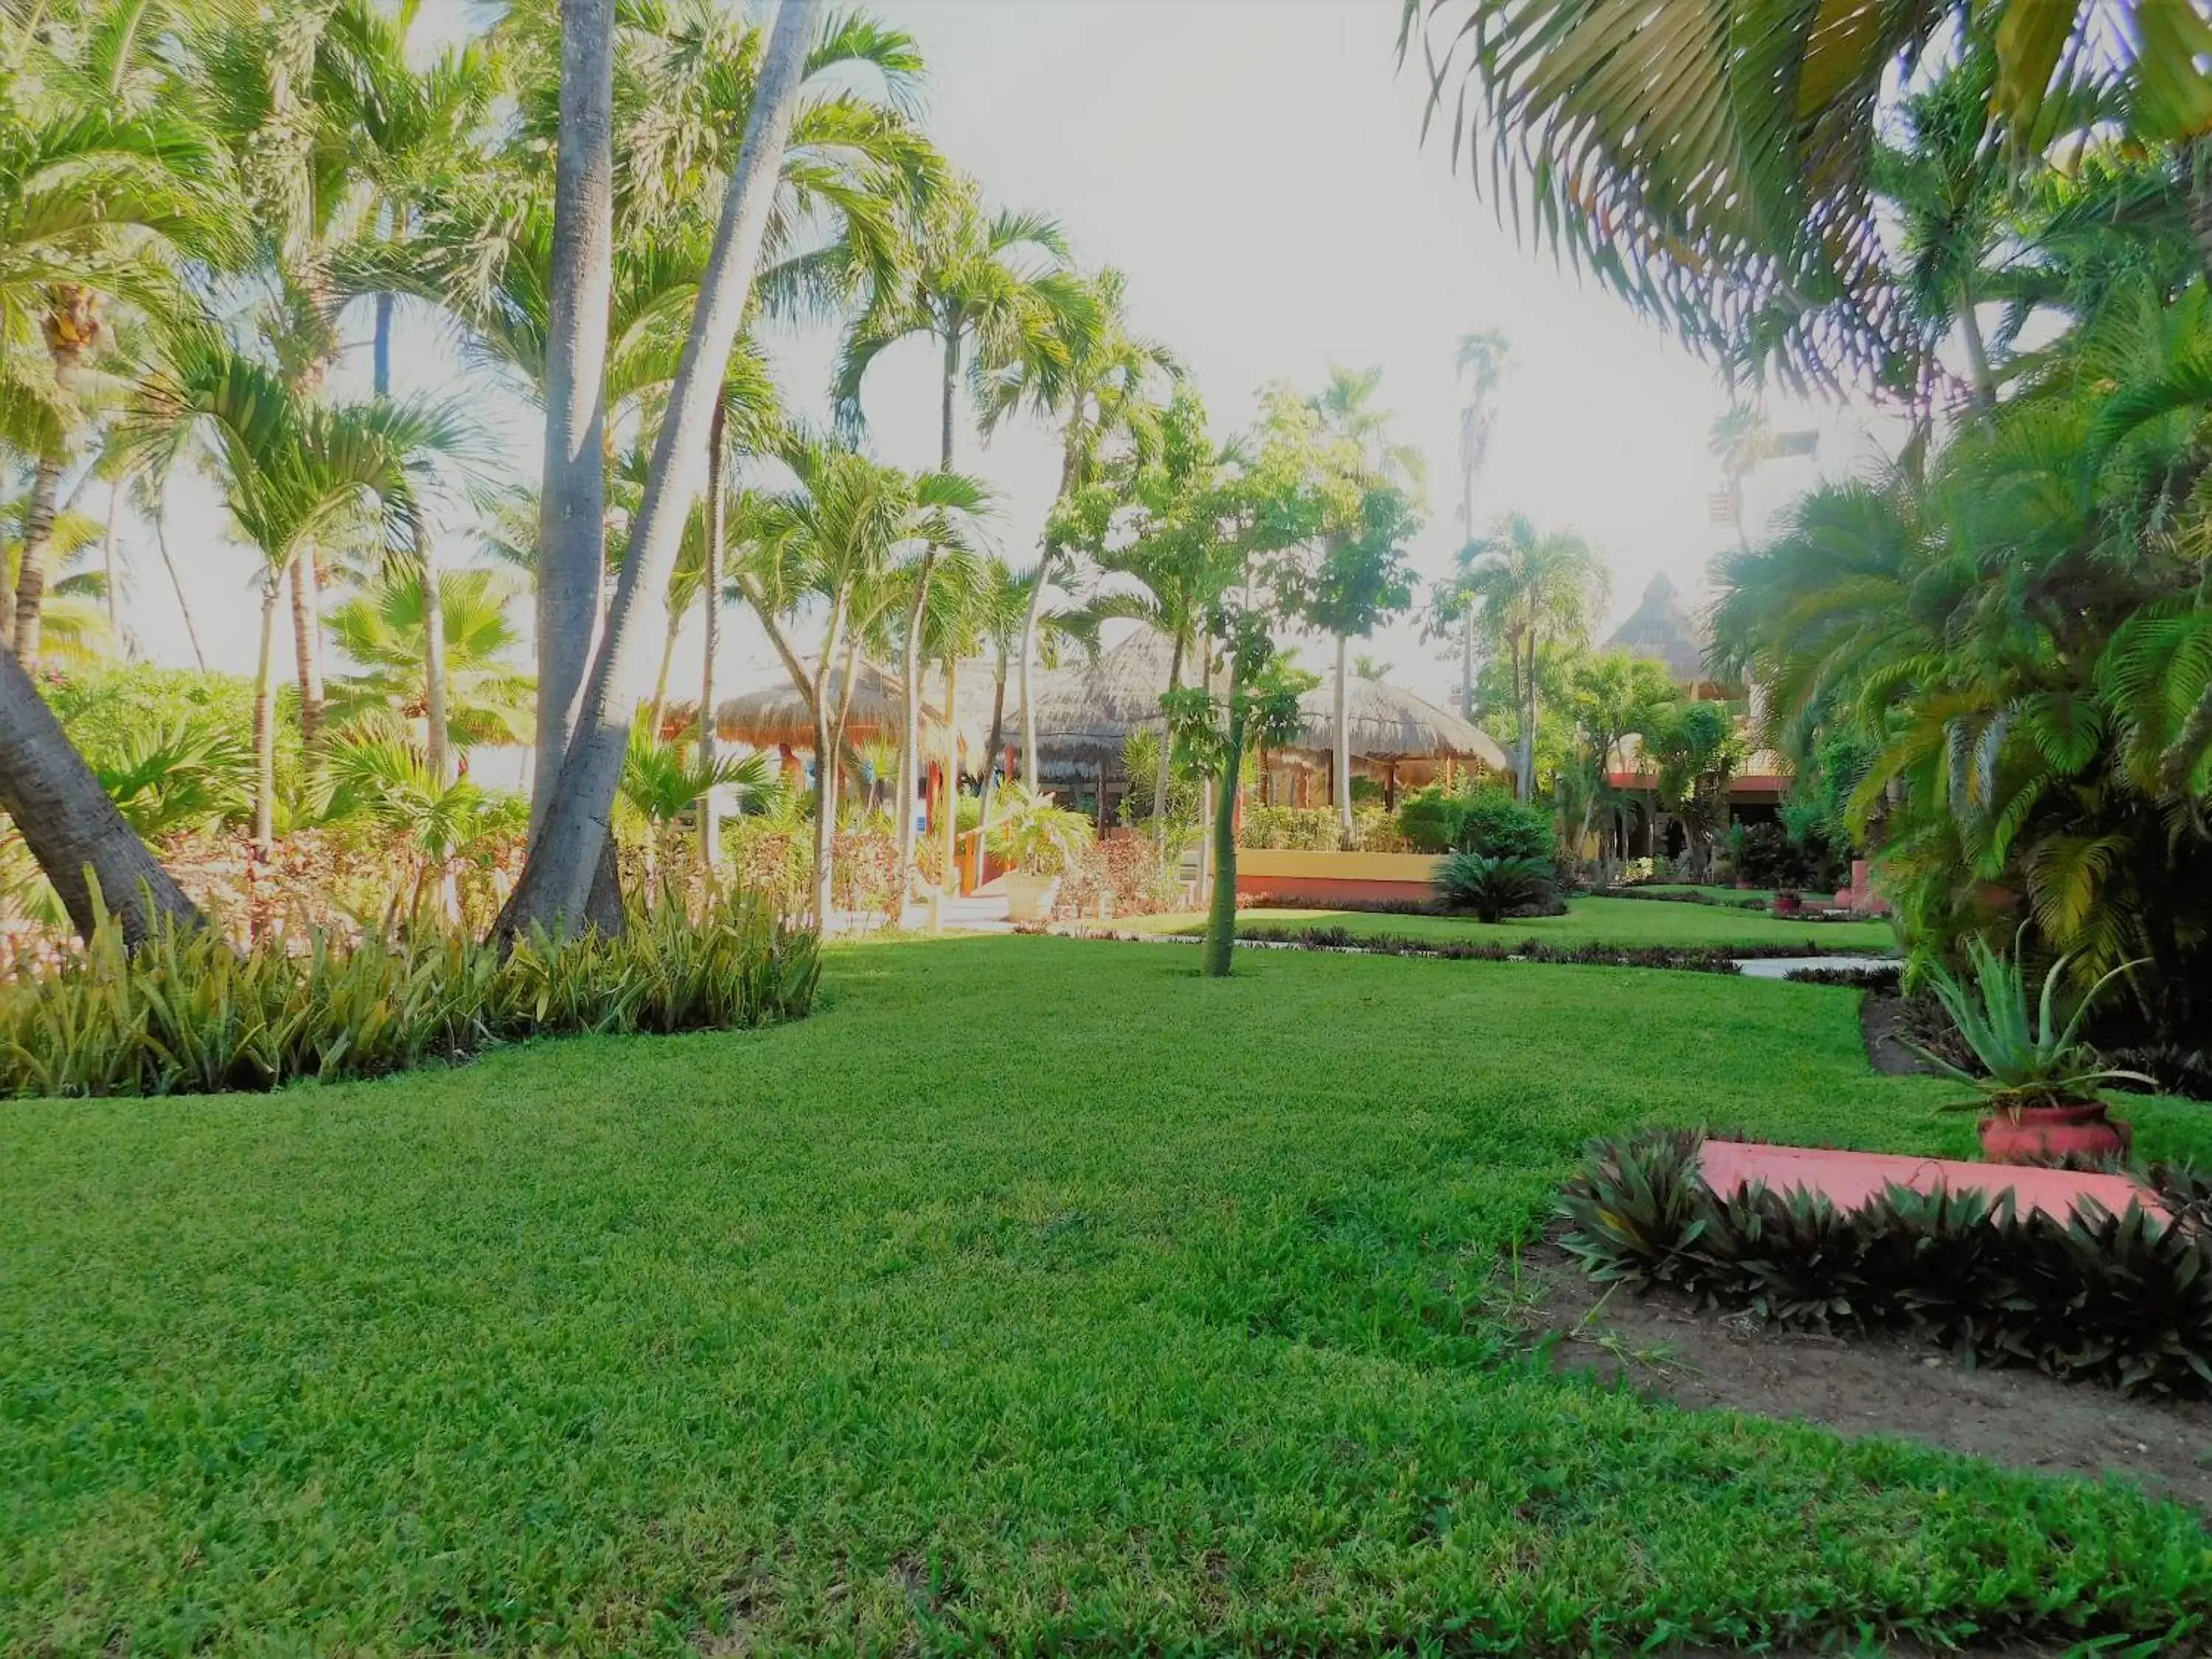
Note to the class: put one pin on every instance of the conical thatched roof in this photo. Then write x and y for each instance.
(1663, 629)
(777, 714)
(1390, 723)
(1085, 713)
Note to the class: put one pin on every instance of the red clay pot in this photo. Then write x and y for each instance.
(2045, 1134)
(1788, 904)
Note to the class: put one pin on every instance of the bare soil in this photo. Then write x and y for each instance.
(1877, 1385)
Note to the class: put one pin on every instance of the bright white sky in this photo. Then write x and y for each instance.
(1255, 170)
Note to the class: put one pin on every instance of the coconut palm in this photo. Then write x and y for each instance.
(1534, 590)
(433, 823)
(97, 193)
(76, 623)
(1715, 175)
(298, 477)
(662, 781)
(1107, 396)
(996, 295)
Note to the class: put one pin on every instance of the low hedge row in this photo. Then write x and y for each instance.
(186, 1012)
(2122, 1299)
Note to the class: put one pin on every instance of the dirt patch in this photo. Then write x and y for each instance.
(1883, 1020)
(1887, 1385)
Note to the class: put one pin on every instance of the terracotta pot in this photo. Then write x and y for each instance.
(1030, 897)
(1788, 904)
(2045, 1134)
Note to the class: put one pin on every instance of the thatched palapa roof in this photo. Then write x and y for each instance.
(1663, 629)
(1084, 713)
(777, 714)
(1390, 724)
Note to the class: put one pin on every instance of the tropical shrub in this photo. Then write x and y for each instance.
(2122, 1299)
(1035, 833)
(1491, 886)
(1493, 824)
(188, 1013)
(1429, 820)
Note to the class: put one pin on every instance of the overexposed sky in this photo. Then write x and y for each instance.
(1254, 167)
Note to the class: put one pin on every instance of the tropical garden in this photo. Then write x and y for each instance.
(592, 1216)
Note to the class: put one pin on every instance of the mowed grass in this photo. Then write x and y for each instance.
(1588, 921)
(1037, 1295)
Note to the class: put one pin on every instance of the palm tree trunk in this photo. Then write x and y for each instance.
(655, 709)
(71, 827)
(825, 771)
(1343, 747)
(26, 600)
(72, 323)
(1977, 358)
(1467, 664)
(2197, 158)
(710, 589)
(556, 875)
(380, 356)
(1035, 609)
(911, 671)
(306, 651)
(1167, 750)
(1221, 920)
(437, 738)
(176, 577)
(1526, 764)
(265, 720)
(110, 574)
(950, 883)
(572, 506)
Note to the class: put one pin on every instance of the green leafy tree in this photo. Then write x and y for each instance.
(1534, 590)
(1695, 748)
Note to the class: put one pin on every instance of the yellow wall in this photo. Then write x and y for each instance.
(1417, 867)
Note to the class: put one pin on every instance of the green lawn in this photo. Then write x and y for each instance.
(1037, 1295)
(1587, 921)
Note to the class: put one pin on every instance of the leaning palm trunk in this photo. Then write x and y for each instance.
(176, 577)
(72, 324)
(572, 507)
(556, 875)
(265, 718)
(80, 841)
(1035, 609)
(1343, 755)
(19, 626)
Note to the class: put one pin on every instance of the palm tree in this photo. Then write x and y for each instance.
(298, 477)
(1534, 590)
(662, 781)
(97, 194)
(1481, 364)
(556, 877)
(434, 823)
(482, 698)
(1363, 578)
(833, 540)
(1107, 395)
(1614, 695)
(996, 295)
(1718, 175)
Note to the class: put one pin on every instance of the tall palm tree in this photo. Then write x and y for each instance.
(1714, 175)
(1363, 578)
(997, 295)
(1533, 589)
(1481, 364)
(556, 877)
(1108, 396)
(298, 477)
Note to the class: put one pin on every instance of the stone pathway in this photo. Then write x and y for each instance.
(1783, 967)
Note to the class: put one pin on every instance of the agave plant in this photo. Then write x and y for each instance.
(2031, 1058)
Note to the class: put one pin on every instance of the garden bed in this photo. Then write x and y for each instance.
(1666, 1348)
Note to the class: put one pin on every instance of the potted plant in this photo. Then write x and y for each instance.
(2040, 1091)
(1040, 839)
(1789, 902)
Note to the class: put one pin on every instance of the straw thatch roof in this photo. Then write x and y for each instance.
(1390, 724)
(1085, 713)
(1663, 629)
(777, 714)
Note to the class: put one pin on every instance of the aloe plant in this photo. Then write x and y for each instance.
(2031, 1057)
